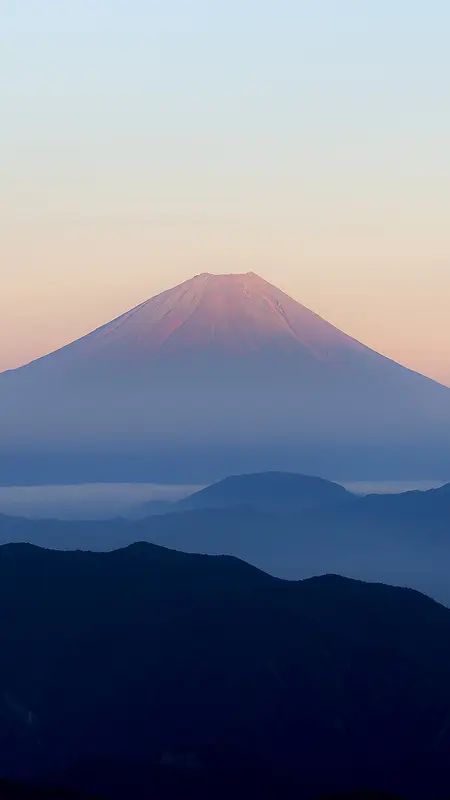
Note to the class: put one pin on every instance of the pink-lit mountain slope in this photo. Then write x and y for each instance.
(224, 373)
(218, 317)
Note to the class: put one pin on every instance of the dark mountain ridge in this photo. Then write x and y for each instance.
(398, 539)
(152, 655)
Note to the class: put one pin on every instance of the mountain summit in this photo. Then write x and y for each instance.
(221, 374)
(220, 316)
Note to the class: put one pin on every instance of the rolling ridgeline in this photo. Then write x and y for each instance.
(125, 673)
(166, 655)
(291, 526)
(147, 670)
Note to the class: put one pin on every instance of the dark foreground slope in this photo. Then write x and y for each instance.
(153, 657)
(172, 783)
(11, 790)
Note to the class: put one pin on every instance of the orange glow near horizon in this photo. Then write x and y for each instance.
(135, 153)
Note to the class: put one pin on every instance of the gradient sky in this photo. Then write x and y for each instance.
(142, 142)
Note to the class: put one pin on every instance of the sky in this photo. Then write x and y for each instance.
(145, 141)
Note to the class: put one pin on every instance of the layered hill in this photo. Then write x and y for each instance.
(152, 656)
(266, 491)
(222, 374)
(291, 526)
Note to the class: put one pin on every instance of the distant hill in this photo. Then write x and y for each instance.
(431, 501)
(280, 492)
(268, 491)
(164, 657)
(219, 375)
(398, 539)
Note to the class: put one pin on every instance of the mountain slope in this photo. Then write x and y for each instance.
(17, 791)
(222, 374)
(431, 501)
(147, 654)
(211, 315)
(397, 539)
(280, 492)
(268, 491)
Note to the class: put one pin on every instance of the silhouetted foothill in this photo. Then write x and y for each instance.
(290, 525)
(145, 651)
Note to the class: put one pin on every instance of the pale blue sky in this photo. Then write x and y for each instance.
(143, 142)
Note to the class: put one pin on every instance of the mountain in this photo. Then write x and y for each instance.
(221, 375)
(211, 317)
(431, 501)
(266, 491)
(158, 657)
(397, 539)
